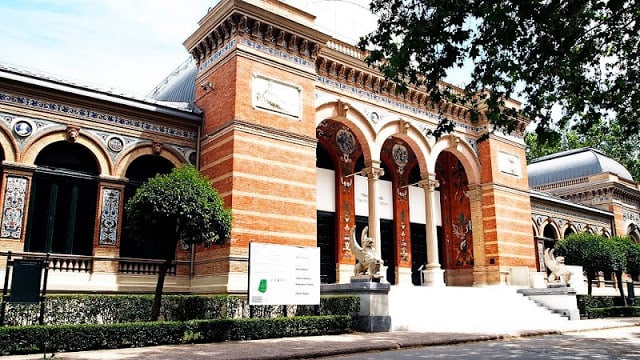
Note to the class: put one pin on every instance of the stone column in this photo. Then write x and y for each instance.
(373, 173)
(433, 274)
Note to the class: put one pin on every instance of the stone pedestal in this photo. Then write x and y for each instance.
(433, 277)
(374, 302)
(556, 297)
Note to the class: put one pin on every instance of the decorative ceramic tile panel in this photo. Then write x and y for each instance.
(109, 216)
(14, 203)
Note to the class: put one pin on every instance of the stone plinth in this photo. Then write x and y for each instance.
(433, 277)
(374, 302)
(557, 297)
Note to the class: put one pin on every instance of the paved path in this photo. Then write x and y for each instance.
(318, 346)
(619, 343)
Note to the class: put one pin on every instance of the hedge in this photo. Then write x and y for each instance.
(113, 309)
(594, 307)
(65, 338)
(614, 311)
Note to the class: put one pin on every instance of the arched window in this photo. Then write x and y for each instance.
(63, 199)
(139, 171)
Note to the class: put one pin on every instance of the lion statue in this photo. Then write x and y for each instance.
(559, 272)
(367, 263)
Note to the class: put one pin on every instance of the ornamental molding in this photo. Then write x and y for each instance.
(267, 36)
(262, 131)
(86, 114)
(546, 210)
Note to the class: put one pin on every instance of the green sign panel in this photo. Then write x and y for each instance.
(25, 281)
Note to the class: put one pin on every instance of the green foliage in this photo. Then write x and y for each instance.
(580, 56)
(587, 250)
(615, 311)
(65, 338)
(591, 251)
(181, 204)
(586, 302)
(111, 309)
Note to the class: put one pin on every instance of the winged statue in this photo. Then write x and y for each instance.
(559, 272)
(365, 254)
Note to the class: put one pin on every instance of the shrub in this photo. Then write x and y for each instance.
(112, 309)
(586, 302)
(65, 338)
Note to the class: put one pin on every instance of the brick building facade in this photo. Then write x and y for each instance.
(296, 133)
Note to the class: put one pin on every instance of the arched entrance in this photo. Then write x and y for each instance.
(456, 239)
(139, 171)
(550, 236)
(63, 199)
(326, 215)
(338, 158)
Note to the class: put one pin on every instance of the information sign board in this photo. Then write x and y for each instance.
(283, 275)
(25, 281)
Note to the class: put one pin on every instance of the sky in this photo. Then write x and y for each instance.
(130, 46)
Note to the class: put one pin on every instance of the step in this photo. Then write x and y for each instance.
(466, 309)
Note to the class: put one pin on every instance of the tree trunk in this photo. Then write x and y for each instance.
(589, 282)
(619, 281)
(162, 273)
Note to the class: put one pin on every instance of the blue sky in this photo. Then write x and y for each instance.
(124, 44)
(127, 45)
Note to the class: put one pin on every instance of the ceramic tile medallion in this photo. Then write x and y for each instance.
(109, 216)
(400, 156)
(23, 128)
(345, 141)
(14, 202)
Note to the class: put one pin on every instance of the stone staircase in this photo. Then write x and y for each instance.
(492, 309)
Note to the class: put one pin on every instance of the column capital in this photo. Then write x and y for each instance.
(429, 183)
(373, 172)
(474, 193)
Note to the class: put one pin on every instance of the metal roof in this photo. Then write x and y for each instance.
(179, 86)
(573, 164)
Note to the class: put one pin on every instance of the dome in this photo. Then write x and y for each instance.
(573, 164)
(179, 86)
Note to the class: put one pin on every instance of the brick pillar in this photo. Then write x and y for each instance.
(506, 208)
(480, 268)
(256, 86)
(108, 224)
(14, 200)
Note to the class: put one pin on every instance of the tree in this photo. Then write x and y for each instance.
(631, 253)
(591, 251)
(178, 206)
(581, 56)
(618, 248)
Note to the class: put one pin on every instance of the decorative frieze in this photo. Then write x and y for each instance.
(13, 210)
(87, 114)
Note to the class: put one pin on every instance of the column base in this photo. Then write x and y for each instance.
(433, 277)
